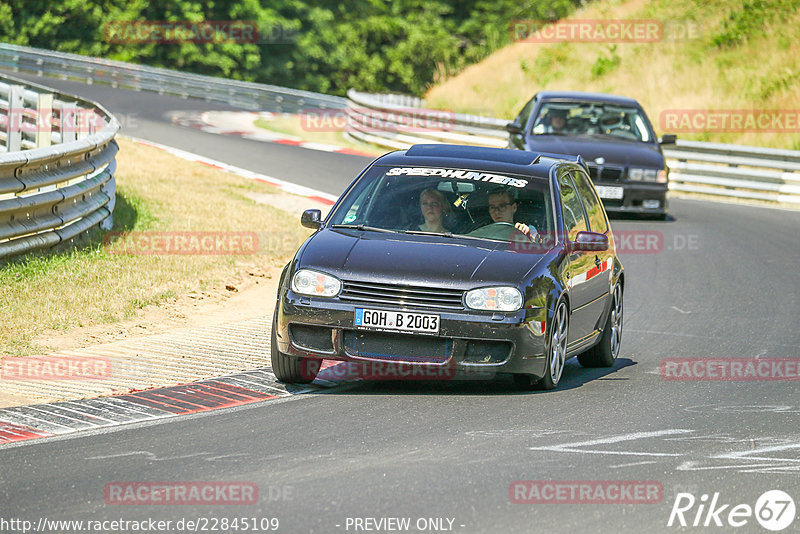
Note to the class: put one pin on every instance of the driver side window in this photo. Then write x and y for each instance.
(571, 207)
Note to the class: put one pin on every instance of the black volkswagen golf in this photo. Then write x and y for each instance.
(612, 133)
(454, 257)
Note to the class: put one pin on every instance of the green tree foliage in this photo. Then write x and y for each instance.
(319, 45)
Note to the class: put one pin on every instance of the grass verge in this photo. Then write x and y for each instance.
(156, 192)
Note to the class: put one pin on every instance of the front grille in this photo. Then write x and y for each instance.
(402, 295)
(607, 174)
(611, 174)
(398, 347)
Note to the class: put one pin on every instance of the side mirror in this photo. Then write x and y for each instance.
(667, 139)
(514, 128)
(311, 219)
(589, 242)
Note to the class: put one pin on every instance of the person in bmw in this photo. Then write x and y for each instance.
(554, 122)
(368, 287)
(613, 135)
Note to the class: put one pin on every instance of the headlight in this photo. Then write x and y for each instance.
(504, 299)
(644, 175)
(315, 284)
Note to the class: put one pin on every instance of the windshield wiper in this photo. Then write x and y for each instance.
(443, 234)
(615, 137)
(423, 232)
(363, 228)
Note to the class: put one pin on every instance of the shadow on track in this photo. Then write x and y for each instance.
(574, 376)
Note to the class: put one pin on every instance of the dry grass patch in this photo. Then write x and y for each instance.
(156, 192)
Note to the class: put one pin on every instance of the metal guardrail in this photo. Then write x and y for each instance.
(744, 172)
(56, 167)
(246, 95)
(398, 121)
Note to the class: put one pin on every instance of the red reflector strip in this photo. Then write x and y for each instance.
(10, 432)
(195, 398)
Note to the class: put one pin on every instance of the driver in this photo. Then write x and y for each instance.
(558, 120)
(502, 207)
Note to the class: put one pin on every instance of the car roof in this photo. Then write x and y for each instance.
(472, 157)
(590, 97)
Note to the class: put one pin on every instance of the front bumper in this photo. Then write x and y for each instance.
(635, 196)
(468, 343)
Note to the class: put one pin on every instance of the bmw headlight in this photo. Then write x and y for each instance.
(315, 284)
(638, 174)
(503, 299)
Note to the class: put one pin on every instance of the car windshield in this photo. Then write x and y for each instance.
(591, 118)
(446, 201)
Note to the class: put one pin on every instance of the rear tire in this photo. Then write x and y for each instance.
(605, 353)
(290, 369)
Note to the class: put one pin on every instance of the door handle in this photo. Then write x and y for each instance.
(597, 261)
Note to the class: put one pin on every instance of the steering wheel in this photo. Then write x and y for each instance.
(497, 230)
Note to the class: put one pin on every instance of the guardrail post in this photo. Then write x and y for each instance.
(13, 128)
(44, 120)
(69, 122)
(82, 119)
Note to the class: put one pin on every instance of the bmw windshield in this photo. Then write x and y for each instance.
(453, 202)
(592, 119)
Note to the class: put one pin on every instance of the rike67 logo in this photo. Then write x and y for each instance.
(774, 510)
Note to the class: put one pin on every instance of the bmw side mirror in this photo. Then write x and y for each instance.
(311, 219)
(667, 139)
(514, 128)
(589, 242)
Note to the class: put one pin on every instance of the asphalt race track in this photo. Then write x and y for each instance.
(715, 281)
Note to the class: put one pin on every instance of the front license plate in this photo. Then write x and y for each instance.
(397, 321)
(609, 192)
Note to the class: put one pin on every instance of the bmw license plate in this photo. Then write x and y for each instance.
(396, 321)
(605, 191)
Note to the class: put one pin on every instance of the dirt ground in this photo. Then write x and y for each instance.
(249, 294)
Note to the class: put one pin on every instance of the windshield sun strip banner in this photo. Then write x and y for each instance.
(460, 174)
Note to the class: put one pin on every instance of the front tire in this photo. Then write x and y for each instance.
(289, 369)
(605, 353)
(556, 353)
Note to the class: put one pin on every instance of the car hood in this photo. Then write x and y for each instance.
(614, 151)
(415, 259)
